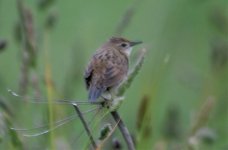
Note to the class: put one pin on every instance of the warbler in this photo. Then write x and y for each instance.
(108, 67)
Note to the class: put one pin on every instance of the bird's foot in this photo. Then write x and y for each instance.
(115, 103)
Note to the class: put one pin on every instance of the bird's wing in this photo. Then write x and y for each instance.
(104, 71)
(88, 75)
(113, 75)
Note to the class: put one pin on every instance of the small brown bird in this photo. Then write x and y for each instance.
(108, 67)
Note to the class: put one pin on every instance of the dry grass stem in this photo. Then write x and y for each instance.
(29, 48)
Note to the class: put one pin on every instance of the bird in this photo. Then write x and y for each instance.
(108, 67)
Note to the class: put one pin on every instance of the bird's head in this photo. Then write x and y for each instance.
(123, 44)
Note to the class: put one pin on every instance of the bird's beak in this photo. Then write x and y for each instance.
(135, 43)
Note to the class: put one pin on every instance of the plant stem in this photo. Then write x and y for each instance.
(29, 52)
(85, 126)
(123, 130)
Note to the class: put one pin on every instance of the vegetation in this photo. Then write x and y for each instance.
(176, 99)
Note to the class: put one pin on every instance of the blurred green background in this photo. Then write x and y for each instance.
(179, 99)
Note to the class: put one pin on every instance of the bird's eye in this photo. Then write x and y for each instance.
(124, 45)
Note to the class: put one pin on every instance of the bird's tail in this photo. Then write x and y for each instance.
(95, 93)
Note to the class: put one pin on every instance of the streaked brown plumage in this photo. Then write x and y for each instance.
(108, 67)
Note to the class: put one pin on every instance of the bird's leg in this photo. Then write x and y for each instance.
(115, 101)
(107, 96)
(111, 101)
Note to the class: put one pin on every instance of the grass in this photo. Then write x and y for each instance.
(184, 69)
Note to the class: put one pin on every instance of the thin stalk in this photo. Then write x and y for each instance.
(85, 126)
(123, 130)
(29, 52)
(49, 88)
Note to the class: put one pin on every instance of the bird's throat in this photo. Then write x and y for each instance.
(128, 51)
